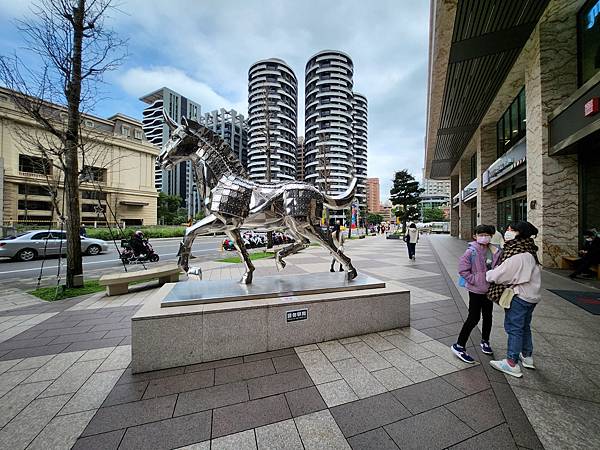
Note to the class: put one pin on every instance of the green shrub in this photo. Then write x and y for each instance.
(152, 232)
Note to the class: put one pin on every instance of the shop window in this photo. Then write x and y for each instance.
(588, 34)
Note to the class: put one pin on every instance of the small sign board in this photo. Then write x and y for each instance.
(299, 314)
(592, 106)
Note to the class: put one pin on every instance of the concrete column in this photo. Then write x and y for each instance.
(487, 211)
(552, 182)
(464, 209)
(454, 212)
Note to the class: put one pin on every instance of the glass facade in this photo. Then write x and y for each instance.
(588, 33)
(589, 188)
(512, 200)
(512, 125)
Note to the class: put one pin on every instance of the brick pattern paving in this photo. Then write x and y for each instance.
(65, 379)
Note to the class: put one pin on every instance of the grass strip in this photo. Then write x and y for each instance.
(253, 256)
(51, 294)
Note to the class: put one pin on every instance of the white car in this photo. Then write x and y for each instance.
(32, 244)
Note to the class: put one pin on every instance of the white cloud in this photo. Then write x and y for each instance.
(139, 81)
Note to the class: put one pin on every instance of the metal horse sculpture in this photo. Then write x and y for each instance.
(232, 201)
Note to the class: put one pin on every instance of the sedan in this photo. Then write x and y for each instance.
(27, 246)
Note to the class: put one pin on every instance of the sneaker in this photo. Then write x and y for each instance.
(485, 348)
(503, 366)
(527, 361)
(462, 354)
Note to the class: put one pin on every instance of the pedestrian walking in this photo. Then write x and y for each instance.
(517, 285)
(480, 257)
(338, 238)
(411, 238)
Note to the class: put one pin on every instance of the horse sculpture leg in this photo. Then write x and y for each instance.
(236, 237)
(327, 242)
(300, 244)
(206, 225)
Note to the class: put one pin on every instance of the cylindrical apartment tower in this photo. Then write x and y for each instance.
(328, 152)
(272, 92)
(359, 129)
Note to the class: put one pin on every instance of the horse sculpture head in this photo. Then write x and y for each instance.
(182, 143)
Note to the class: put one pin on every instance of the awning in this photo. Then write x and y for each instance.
(467, 69)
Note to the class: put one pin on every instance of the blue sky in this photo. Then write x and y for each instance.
(203, 50)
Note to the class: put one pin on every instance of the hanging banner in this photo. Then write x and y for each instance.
(354, 220)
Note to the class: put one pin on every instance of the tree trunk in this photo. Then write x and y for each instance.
(73, 94)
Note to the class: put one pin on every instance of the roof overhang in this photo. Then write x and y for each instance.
(473, 46)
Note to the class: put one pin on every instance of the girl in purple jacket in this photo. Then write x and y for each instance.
(480, 257)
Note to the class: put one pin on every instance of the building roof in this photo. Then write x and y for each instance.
(473, 46)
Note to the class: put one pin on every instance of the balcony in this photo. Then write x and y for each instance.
(469, 192)
(512, 159)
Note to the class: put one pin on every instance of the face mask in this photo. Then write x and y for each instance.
(484, 240)
(589, 239)
(509, 235)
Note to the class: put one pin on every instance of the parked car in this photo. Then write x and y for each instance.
(32, 244)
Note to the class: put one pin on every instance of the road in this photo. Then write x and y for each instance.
(25, 274)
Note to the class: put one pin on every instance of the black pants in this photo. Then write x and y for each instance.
(479, 305)
(584, 264)
(412, 247)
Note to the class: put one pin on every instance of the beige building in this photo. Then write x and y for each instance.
(512, 116)
(373, 195)
(117, 181)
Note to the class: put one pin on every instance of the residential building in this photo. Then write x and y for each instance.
(373, 195)
(180, 180)
(436, 194)
(117, 183)
(529, 148)
(329, 156)
(233, 129)
(272, 120)
(300, 159)
(359, 136)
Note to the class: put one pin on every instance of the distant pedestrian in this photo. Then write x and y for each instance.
(520, 272)
(590, 254)
(82, 230)
(480, 257)
(411, 238)
(338, 238)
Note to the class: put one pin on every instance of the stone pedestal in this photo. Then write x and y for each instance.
(164, 337)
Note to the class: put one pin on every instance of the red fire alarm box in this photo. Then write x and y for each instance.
(592, 106)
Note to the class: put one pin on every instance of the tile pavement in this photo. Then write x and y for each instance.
(65, 381)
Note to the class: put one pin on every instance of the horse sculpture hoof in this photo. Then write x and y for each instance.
(196, 272)
(246, 278)
(280, 264)
(352, 274)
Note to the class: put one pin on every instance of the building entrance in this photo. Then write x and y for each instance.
(512, 201)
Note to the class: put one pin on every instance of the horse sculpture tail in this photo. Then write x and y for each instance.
(343, 200)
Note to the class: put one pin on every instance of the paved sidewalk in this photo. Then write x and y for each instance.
(65, 379)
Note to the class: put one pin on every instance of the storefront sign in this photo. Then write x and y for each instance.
(592, 106)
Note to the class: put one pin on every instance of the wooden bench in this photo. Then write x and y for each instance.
(569, 262)
(118, 283)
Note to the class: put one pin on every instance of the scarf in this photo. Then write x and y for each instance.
(511, 248)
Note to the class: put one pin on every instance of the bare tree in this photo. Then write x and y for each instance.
(74, 49)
